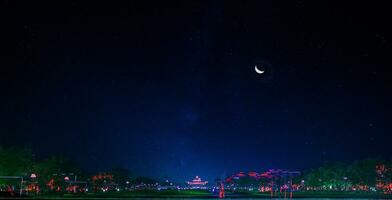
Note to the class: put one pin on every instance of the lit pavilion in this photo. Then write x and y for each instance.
(197, 182)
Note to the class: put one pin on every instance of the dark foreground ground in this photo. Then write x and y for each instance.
(203, 195)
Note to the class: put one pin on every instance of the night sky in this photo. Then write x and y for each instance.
(170, 89)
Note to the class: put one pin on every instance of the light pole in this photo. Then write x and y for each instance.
(21, 186)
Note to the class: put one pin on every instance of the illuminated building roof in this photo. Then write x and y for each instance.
(197, 182)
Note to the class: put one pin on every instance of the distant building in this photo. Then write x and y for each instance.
(197, 183)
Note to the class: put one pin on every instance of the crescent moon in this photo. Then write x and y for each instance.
(258, 71)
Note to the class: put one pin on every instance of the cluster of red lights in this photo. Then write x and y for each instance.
(267, 175)
(254, 175)
(102, 176)
(381, 170)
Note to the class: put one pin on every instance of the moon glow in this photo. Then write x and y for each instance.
(258, 70)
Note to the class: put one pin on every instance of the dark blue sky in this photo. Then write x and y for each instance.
(169, 89)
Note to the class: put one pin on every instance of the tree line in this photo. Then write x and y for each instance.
(361, 175)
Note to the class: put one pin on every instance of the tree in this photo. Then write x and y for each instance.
(314, 178)
(333, 175)
(121, 176)
(363, 172)
(330, 176)
(388, 173)
(52, 172)
(15, 161)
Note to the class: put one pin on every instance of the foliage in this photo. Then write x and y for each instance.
(55, 168)
(362, 172)
(121, 176)
(15, 162)
(143, 180)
